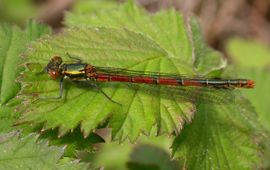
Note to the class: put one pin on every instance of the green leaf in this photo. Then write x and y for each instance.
(252, 61)
(179, 36)
(73, 141)
(13, 42)
(106, 47)
(28, 153)
(259, 95)
(222, 137)
(248, 53)
(206, 60)
(151, 157)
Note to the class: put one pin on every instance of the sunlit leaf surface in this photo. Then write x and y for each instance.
(252, 60)
(13, 42)
(221, 137)
(179, 36)
(28, 153)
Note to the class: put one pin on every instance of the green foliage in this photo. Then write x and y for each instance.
(105, 47)
(168, 29)
(151, 157)
(221, 136)
(73, 141)
(8, 116)
(17, 11)
(149, 50)
(28, 153)
(148, 152)
(13, 42)
(93, 6)
(251, 59)
(249, 54)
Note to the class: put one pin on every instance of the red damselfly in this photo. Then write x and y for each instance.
(79, 71)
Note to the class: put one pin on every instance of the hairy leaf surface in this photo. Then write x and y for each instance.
(28, 153)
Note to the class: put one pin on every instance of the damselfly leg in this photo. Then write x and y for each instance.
(60, 92)
(74, 58)
(92, 84)
(79, 82)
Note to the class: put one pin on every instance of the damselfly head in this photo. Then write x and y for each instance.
(53, 67)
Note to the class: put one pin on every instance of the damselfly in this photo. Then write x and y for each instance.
(79, 71)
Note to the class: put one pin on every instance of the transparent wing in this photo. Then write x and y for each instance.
(121, 71)
(180, 93)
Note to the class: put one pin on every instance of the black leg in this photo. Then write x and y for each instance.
(60, 91)
(99, 89)
(88, 83)
(74, 58)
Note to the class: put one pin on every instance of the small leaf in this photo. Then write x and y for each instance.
(206, 59)
(73, 141)
(28, 153)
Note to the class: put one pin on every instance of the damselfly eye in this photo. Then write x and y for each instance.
(54, 74)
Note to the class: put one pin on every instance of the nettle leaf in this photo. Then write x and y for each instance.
(13, 42)
(105, 47)
(28, 153)
(73, 141)
(179, 36)
(222, 137)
